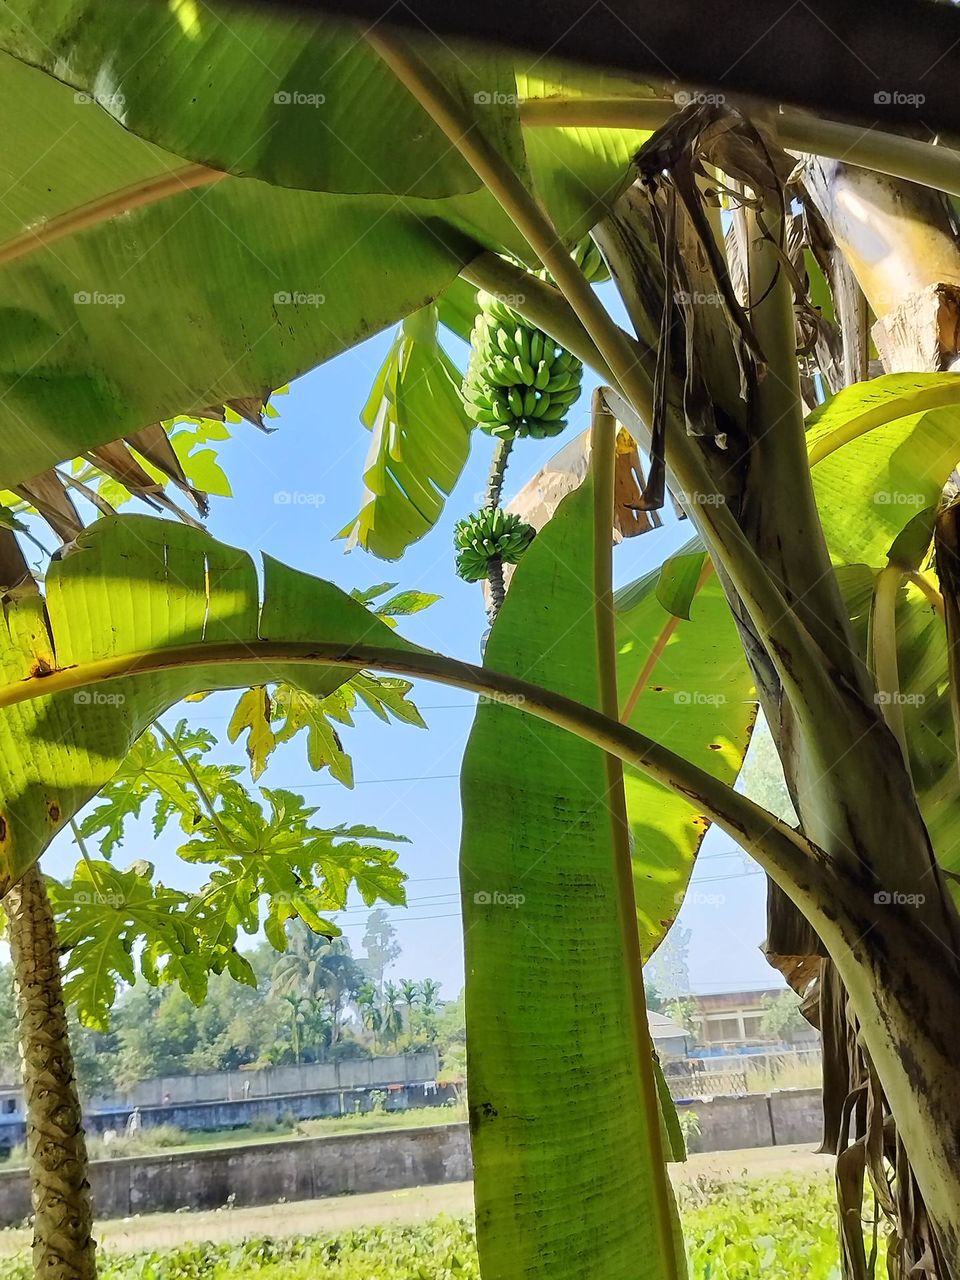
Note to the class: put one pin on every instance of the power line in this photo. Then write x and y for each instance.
(368, 711)
(371, 782)
(435, 900)
(734, 875)
(360, 924)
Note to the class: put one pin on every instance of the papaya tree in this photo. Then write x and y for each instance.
(595, 764)
(103, 924)
(264, 868)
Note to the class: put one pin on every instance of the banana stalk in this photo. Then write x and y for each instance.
(900, 982)
(947, 543)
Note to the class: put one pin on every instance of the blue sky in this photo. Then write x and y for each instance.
(406, 779)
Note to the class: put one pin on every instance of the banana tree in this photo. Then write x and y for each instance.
(451, 165)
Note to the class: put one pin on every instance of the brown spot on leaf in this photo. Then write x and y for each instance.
(3, 828)
(41, 667)
(54, 812)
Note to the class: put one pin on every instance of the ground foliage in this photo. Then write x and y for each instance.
(781, 1229)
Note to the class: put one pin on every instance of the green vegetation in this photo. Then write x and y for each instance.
(367, 1121)
(307, 1004)
(782, 1230)
(821, 584)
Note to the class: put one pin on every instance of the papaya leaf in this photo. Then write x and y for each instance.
(253, 713)
(301, 870)
(152, 777)
(107, 919)
(386, 696)
(299, 710)
(128, 586)
(269, 719)
(405, 603)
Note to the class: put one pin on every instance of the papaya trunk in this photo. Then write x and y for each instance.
(63, 1244)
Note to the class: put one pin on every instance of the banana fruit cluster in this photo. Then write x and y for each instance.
(486, 535)
(588, 258)
(519, 381)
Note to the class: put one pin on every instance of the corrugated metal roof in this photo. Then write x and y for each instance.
(663, 1028)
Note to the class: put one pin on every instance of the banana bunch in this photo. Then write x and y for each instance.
(486, 535)
(587, 257)
(519, 381)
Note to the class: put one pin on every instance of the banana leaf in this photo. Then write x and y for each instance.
(560, 1066)
(139, 284)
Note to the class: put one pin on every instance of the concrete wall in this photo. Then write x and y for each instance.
(243, 1112)
(264, 1174)
(306, 1168)
(756, 1120)
(310, 1077)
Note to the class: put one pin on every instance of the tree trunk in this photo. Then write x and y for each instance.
(843, 766)
(63, 1245)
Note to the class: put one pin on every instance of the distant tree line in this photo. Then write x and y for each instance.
(316, 1002)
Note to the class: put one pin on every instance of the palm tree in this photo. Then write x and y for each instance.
(429, 993)
(412, 996)
(314, 965)
(392, 1013)
(318, 1026)
(430, 1006)
(296, 1004)
(369, 1009)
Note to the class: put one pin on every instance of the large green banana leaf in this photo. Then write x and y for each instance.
(925, 704)
(300, 103)
(128, 585)
(699, 700)
(136, 288)
(209, 294)
(896, 440)
(421, 439)
(309, 103)
(558, 1086)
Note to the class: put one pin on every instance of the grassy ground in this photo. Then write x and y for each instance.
(746, 1214)
(418, 1205)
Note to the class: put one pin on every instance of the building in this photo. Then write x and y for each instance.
(734, 1020)
(670, 1039)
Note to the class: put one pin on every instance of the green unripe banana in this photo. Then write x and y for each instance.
(524, 370)
(488, 534)
(506, 343)
(512, 365)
